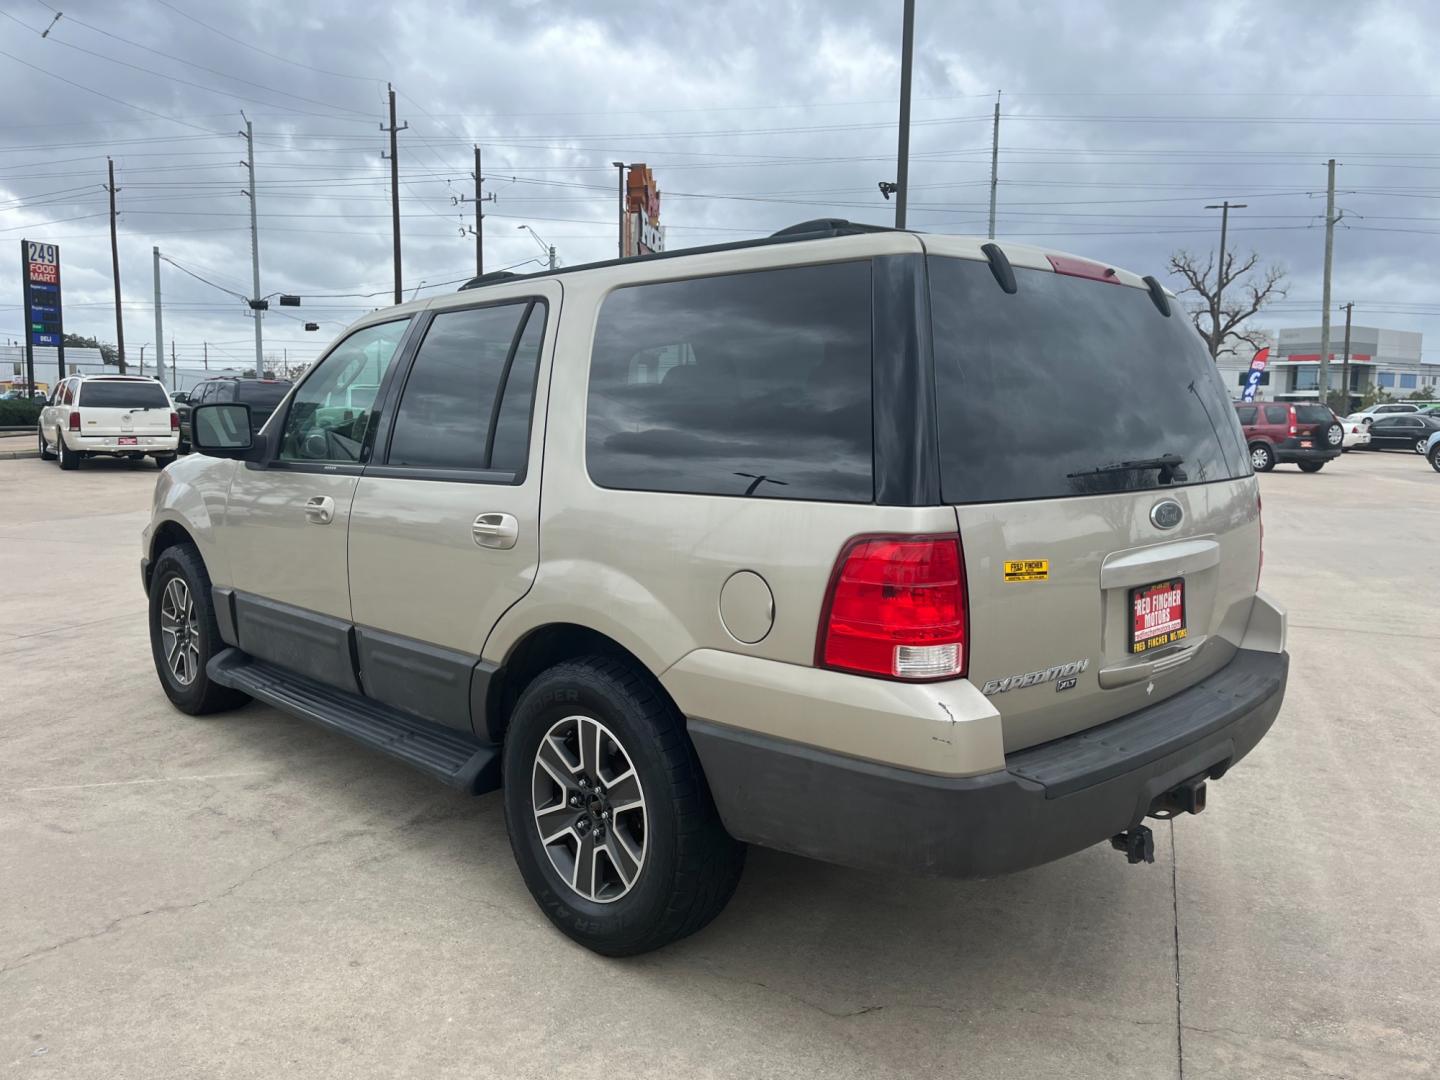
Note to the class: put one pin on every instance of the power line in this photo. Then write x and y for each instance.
(263, 52)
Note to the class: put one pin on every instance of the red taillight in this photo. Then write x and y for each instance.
(174, 421)
(896, 608)
(1293, 422)
(75, 420)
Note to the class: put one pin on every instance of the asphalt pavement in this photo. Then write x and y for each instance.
(247, 896)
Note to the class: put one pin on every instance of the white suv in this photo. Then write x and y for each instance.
(121, 415)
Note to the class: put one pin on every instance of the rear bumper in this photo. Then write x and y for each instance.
(1290, 451)
(110, 444)
(1048, 802)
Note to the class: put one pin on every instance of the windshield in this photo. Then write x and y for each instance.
(1071, 387)
(265, 395)
(122, 394)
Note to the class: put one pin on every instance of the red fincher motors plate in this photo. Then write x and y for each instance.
(1157, 615)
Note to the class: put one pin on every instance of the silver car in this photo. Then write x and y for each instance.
(909, 552)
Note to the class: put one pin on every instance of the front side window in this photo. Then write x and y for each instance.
(755, 385)
(467, 360)
(332, 410)
(1246, 414)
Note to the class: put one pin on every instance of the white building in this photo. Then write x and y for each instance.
(1389, 361)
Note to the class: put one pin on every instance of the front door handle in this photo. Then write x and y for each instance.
(320, 510)
(496, 530)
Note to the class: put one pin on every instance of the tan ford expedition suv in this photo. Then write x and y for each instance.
(907, 552)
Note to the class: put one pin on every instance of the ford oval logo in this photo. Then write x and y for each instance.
(1166, 514)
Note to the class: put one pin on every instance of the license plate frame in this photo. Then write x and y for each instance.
(1169, 624)
(127, 440)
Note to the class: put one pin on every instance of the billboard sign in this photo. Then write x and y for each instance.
(643, 234)
(41, 266)
(1257, 369)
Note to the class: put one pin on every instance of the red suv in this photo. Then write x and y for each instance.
(1309, 435)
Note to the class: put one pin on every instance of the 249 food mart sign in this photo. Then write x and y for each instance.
(40, 264)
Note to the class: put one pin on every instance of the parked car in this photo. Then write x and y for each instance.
(1357, 435)
(1277, 432)
(802, 575)
(1407, 431)
(1388, 408)
(127, 416)
(1432, 450)
(262, 395)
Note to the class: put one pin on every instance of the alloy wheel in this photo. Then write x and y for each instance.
(180, 631)
(1259, 458)
(589, 809)
(1420, 445)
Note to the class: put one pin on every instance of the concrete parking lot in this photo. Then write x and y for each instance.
(245, 895)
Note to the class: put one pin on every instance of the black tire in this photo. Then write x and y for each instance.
(1435, 458)
(46, 454)
(161, 460)
(1262, 458)
(1311, 466)
(69, 459)
(199, 695)
(689, 865)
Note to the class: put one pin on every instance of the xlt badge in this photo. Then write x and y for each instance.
(1065, 672)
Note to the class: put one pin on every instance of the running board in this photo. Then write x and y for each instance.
(457, 759)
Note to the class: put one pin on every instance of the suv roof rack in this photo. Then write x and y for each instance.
(816, 229)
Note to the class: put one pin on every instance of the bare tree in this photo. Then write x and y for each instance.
(1240, 295)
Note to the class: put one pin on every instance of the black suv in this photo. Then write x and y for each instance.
(262, 395)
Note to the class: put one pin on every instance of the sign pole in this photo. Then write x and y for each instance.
(29, 337)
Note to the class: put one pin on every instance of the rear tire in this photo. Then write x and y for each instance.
(1311, 466)
(1435, 458)
(1262, 458)
(184, 634)
(46, 454)
(69, 459)
(161, 460)
(662, 827)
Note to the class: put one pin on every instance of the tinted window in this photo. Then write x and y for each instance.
(512, 424)
(1312, 414)
(1277, 414)
(260, 395)
(123, 395)
(746, 384)
(331, 411)
(1246, 414)
(1038, 389)
(444, 417)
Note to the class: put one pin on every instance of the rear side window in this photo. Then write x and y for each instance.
(460, 382)
(751, 384)
(123, 395)
(1246, 414)
(1277, 414)
(264, 395)
(1048, 391)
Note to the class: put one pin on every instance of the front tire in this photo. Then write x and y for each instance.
(184, 634)
(609, 815)
(1311, 466)
(1435, 458)
(69, 459)
(1262, 458)
(1420, 445)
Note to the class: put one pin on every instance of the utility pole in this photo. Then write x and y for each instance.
(1345, 365)
(207, 356)
(1215, 310)
(620, 165)
(1330, 219)
(902, 172)
(142, 358)
(160, 352)
(994, 162)
(159, 329)
(394, 192)
(115, 264)
(257, 305)
(479, 217)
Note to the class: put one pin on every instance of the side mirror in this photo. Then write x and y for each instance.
(222, 430)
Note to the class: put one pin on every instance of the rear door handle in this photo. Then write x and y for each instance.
(320, 510)
(496, 530)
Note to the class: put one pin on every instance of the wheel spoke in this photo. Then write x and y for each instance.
(625, 792)
(622, 856)
(553, 759)
(589, 734)
(582, 873)
(555, 820)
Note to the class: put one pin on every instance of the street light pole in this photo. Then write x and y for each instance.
(902, 172)
(620, 165)
(1224, 208)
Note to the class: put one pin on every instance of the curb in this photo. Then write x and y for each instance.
(11, 455)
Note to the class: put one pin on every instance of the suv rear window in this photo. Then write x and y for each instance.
(121, 394)
(753, 384)
(1312, 414)
(1037, 389)
(264, 394)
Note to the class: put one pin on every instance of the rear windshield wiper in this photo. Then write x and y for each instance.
(1168, 464)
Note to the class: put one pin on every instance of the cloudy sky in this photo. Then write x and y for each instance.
(1120, 122)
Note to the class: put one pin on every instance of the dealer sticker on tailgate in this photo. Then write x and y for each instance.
(1158, 613)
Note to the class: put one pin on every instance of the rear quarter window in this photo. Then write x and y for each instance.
(753, 384)
(261, 395)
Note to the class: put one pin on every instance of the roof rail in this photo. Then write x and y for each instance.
(822, 227)
(489, 279)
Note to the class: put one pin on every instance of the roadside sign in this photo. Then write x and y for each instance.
(44, 324)
(1257, 369)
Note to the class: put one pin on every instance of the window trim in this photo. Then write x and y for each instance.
(379, 410)
(380, 465)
